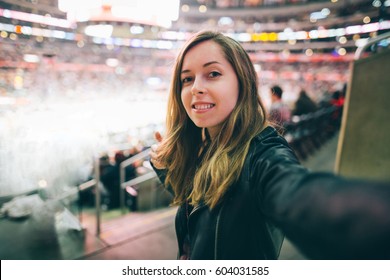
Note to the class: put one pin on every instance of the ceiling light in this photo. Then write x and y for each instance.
(99, 30)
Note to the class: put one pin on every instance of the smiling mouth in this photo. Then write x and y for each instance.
(202, 106)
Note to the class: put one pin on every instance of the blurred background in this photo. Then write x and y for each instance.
(84, 84)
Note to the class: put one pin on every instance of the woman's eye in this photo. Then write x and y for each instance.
(186, 80)
(214, 74)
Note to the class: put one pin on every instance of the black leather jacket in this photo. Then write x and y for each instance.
(326, 216)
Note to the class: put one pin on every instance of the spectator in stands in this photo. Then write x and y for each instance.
(130, 173)
(279, 112)
(238, 184)
(337, 98)
(109, 180)
(337, 101)
(110, 177)
(304, 104)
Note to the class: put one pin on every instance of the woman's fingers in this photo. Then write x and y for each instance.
(158, 136)
(154, 147)
(156, 163)
(154, 152)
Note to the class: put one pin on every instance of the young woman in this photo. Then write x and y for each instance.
(238, 184)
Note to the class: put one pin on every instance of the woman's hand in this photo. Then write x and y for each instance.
(154, 152)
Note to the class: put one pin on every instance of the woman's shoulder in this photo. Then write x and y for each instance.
(269, 133)
(269, 143)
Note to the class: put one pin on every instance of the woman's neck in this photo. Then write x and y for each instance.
(212, 132)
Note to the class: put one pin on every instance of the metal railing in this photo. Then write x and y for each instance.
(94, 183)
(80, 188)
(359, 52)
(140, 179)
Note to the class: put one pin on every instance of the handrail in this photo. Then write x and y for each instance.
(370, 42)
(140, 179)
(133, 159)
(87, 185)
(66, 194)
(82, 187)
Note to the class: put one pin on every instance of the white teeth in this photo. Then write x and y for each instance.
(203, 106)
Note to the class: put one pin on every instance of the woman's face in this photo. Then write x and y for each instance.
(209, 86)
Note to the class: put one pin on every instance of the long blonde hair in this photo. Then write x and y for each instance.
(207, 179)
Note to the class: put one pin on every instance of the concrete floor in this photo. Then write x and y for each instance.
(134, 236)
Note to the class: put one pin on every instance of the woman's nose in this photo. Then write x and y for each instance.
(197, 87)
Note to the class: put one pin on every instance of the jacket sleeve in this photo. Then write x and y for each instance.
(161, 174)
(324, 215)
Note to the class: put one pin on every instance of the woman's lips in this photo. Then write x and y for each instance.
(203, 106)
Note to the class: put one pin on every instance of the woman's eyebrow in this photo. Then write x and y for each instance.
(204, 65)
